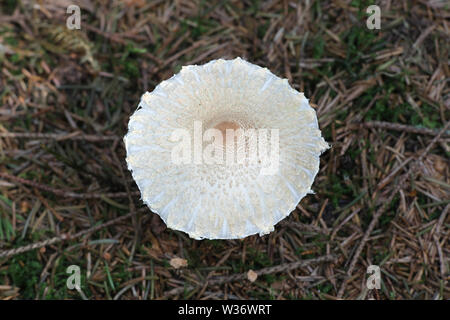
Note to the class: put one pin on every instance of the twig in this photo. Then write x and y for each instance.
(63, 237)
(402, 128)
(59, 136)
(67, 194)
(269, 270)
(241, 276)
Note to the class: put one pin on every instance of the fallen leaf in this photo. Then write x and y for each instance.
(178, 262)
(252, 275)
(24, 206)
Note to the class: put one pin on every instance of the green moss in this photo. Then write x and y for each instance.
(258, 259)
(24, 271)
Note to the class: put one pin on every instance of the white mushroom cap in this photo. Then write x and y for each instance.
(222, 201)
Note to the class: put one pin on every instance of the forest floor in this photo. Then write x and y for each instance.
(381, 196)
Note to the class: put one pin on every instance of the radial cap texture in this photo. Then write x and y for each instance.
(219, 201)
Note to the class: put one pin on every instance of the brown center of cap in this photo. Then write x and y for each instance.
(226, 125)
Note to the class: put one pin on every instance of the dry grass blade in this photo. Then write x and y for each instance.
(59, 136)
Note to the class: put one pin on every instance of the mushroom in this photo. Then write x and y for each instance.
(188, 114)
